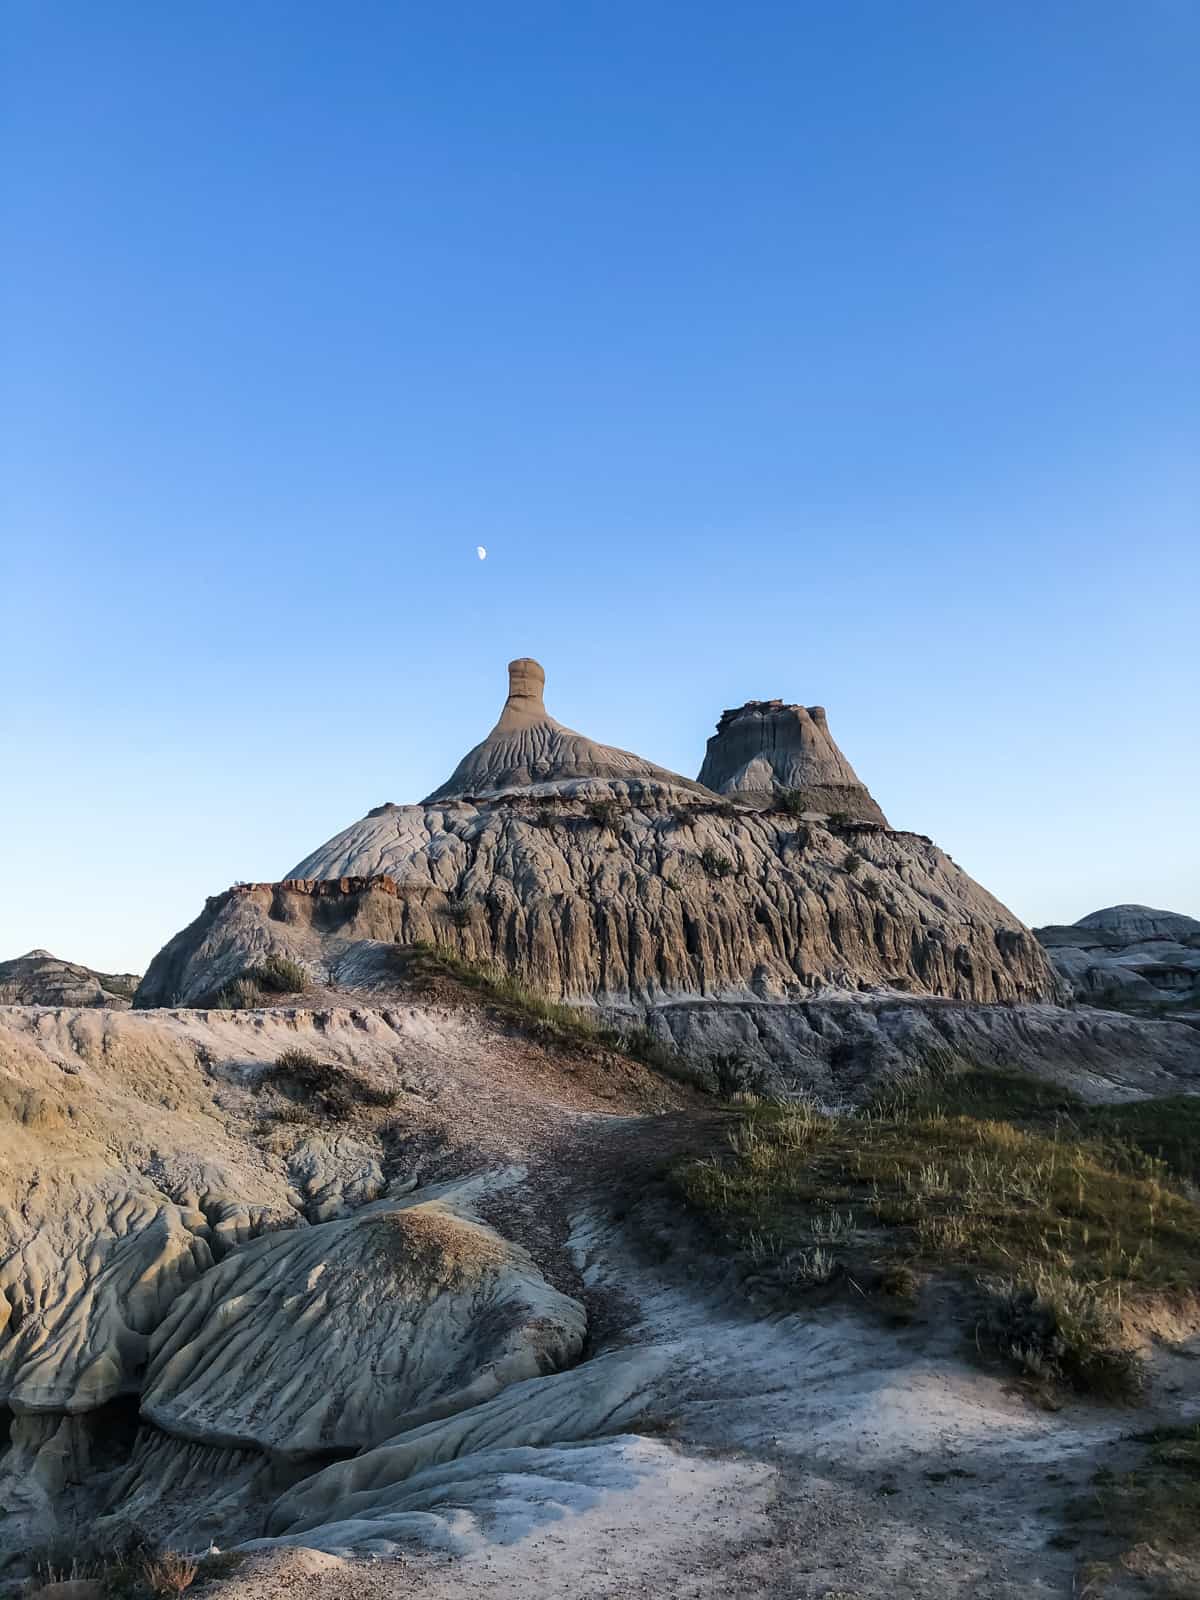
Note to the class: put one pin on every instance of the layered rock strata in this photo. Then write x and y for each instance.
(1130, 956)
(527, 746)
(40, 979)
(765, 751)
(649, 896)
(595, 875)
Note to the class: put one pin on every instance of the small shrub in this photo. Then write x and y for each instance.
(545, 819)
(715, 864)
(169, 1573)
(869, 887)
(131, 1569)
(852, 862)
(735, 1075)
(1057, 1329)
(301, 1076)
(278, 975)
(793, 802)
(459, 913)
(243, 994)
(837, 820)
(802, 838)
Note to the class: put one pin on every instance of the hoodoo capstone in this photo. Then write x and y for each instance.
(766, 749)
(528, 746)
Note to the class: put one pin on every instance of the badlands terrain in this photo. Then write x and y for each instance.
(592, 1181)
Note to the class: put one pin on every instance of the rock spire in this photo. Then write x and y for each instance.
(527, 746)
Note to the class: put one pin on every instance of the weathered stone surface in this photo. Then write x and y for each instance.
(40, 979)
(397, 1491)
(766, 749)
(527, 746)
(635, 891)
(595, 875)
(335, 1336)
(842, 1050)
(1129, 955)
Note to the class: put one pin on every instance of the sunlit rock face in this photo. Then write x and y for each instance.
(528, 746)
(766, 750)
(40, 979)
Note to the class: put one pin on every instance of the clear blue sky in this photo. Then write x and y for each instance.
(842, 351)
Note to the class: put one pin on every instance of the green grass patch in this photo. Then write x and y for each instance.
(716, 864)
(551, 1021)
(278, 975)
(1055, 1229)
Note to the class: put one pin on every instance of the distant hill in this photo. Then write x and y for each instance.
(1129, 957)
(40, 979)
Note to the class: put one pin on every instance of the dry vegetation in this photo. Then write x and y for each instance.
(551, 1021)
(1058, 1217)
(273, 976)
(320, 1087)
(133, 1570)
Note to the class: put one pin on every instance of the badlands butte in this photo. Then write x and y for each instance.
(593, 1181)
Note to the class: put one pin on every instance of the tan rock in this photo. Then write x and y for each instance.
(766, 749)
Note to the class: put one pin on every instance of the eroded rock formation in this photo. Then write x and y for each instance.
(1130, 956)
(595, 875)
(528, 747)
(40, 979)
(765, 750)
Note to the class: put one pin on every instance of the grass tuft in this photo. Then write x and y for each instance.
(1057, 1231)
(552, 1021)
(716, 864)
(278, 975)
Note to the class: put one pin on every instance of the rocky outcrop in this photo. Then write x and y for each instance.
(842, 1050)
(40, 979)
(333, 1337)
(766, 750)
(528, 747)
(1129, 956)
(594, 875)
(615, 893)
(187, 1252)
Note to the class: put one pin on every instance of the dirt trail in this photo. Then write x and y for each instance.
(816, 1456)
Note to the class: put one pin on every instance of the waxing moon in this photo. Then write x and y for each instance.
(481, 552)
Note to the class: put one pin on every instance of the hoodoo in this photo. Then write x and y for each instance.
(527, 746)
(593, 874)
(766, 749)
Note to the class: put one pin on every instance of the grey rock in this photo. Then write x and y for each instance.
(40, 979)
(1132, 957)
(766, 749)
(527, 746)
